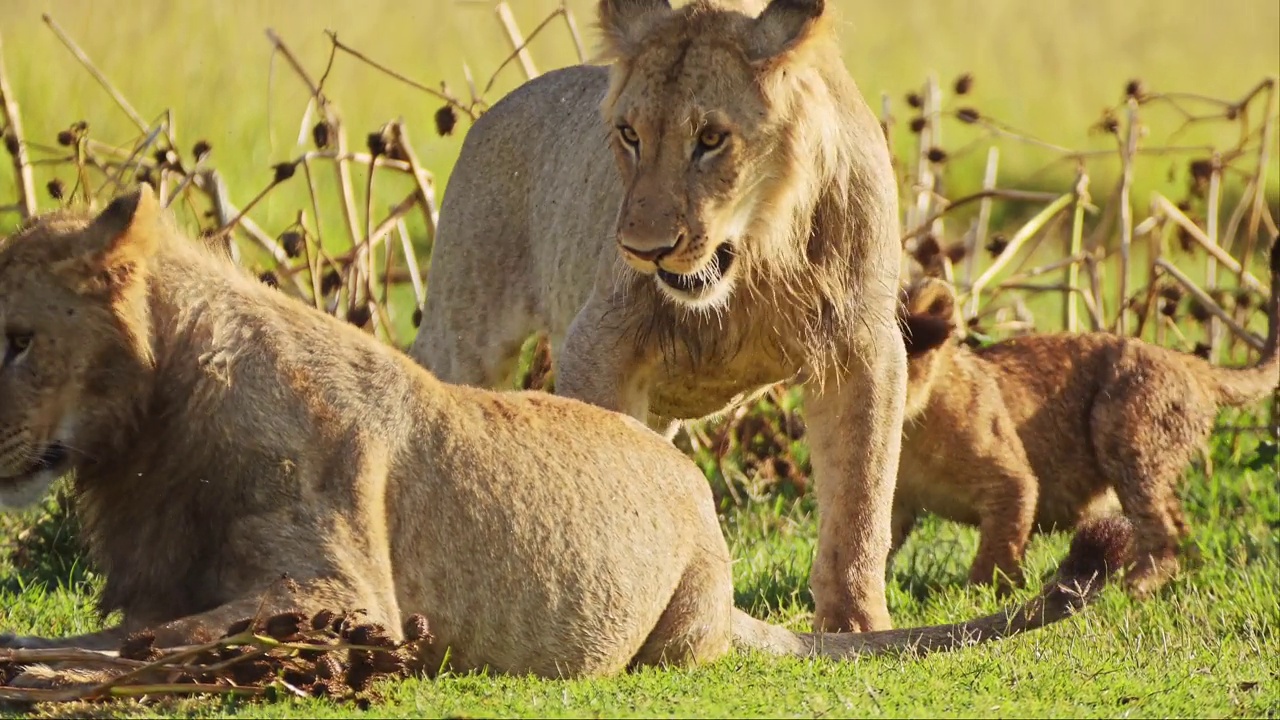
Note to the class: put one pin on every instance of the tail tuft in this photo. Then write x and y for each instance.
(1099, 549)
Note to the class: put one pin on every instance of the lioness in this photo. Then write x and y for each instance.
(1037, 431)
(713, 213)
(223, 434)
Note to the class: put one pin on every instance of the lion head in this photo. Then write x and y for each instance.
(73, 313)
(930, 321)
(726, 127)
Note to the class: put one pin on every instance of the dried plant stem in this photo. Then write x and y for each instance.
(569, 22)
(1211, 266)
(979, 236)
(518, 44)
(1024, 233)
(93, 70)
(1193, 231)
(13, 129)
(1208, 303)
(1127, 155)
(1072, 275)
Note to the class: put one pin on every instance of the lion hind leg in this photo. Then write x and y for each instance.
(695, 626)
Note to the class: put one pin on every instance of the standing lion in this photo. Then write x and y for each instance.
(711, 214)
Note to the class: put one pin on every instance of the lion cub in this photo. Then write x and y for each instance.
(1036, 432)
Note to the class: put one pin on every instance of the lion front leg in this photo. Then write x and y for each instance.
(601, 365)
(855, 430)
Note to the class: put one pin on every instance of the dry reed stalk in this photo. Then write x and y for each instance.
(1209, 304)
(1074, 246)
(1024, 233)
(93, 70)
(15, 143)
(1193, 231)
(979, 237)
(519, 47)
(1128, 153)
(1212, 330)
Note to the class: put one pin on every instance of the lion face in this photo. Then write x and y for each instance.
(697, 135)
(69, 296)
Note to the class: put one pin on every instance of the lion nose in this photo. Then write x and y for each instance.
(653, 254)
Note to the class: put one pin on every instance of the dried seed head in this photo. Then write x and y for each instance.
(1201, 350)
(360, 676)
(1232, 112)
(328, 689)
(323, 620)
(165, 157)
(145, 176)
(292, 243)
(416, 628)
(913, 99)
(79, 127)
(140, 645)
(331, 281)
(997, 244)
(1168, 308)
(328, 666)
(968, 115)
(201, 149)
(1244, 299)
(238, 627)
(964, 84)
(937, 155)
(11, 143)
(56, 189)
(250, 672)
(956, 252)
(377, 144)
(269, 279)
(1135, 89)
(918, 124)
(1197, 310)
(359, 315)
(446, 120)
(1171, 292)
(927, 250)
(1201, 170)
(371, 634)
(321, 134)
(1109, 122)
(417, 317)
(66, 138)
(283, 171)
(286, 626)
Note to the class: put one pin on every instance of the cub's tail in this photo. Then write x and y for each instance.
(1242, 386)
(1098, 550)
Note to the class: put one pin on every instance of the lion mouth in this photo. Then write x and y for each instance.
(54, 458)
(696, 283)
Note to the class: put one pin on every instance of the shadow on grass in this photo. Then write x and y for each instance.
(45, 549)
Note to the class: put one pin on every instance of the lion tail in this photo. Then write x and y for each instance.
(1098, 550)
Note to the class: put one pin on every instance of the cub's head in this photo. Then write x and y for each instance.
(716, 119)
(930, 322)
(74, 324)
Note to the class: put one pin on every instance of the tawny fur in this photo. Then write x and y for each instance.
(1042, 431)
(713, 133)
(223, 435)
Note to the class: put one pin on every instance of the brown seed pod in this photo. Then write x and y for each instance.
(390, 663)
(66, 138)
(968, 115)
(1201, 350)
(1244, 299)
(446, 119)
(283, 171)
(202, 148)
(238, 627)
(369, 634)
(963, 84)
(360, 675)
(321, 134)
(913, 99)
(918, 124)
(252, 671)
(328, 666)
(11, 143)
(140, 646)
(1168, 308)
(1135, 89)
(927, 250)
(1171, 292)
(997, 244)
(292, 242)
(417, 317)
(328, 689)
(416, 628)
(937, 155)
(269, 279)
(359, 315)
(56, 189)
(331, 281)
(956, 252)
(286, 626)
(1198, 311)
(166, 157)
(377, 143)
(323, 620)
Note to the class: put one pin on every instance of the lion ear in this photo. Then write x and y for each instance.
(116, 246)
(932, 297)
(928, 316)
(623, 21)
(783, 26)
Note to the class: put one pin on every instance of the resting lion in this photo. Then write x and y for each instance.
(223, 434)
(1040, 431)
(713, 213)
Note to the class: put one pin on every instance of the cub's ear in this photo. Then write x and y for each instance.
(928, 315)
(624, 21)
(784, 26)
(114, 249)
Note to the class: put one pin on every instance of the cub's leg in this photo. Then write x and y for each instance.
(905, 516)
(855, 430)
(1007, 513)
(1144, 440)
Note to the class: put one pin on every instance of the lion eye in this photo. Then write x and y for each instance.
(711, 139)
(629, 135)
(15, 345)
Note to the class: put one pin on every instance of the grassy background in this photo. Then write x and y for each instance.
(1208, 646)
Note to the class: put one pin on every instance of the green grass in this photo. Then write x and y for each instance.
(1207, 646)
